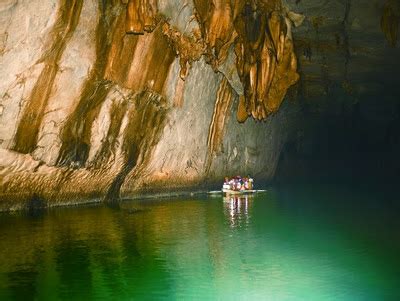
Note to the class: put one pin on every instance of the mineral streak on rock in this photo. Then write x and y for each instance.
(22, 178)
(138, 62)
(141, 16)
(109, 145)
(131, 61)
(76, 133)
(27, 132)
(390, 21)
(146, 122)
(221, 109)
(179, 90)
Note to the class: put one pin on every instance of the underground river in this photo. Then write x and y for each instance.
(292, 243)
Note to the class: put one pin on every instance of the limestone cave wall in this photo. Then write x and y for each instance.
(348, 61)
(100, 99)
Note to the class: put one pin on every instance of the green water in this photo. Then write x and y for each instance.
(287, 244)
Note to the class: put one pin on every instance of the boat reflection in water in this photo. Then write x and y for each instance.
(238, 209)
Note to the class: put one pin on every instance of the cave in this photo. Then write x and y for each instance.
(113, 100)
(281, 91)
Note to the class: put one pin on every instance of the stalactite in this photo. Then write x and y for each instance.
(263, 46)
(221, 113)
(188, 48)
(241, 114)
(265, 60)
(216, 22)
(27, 132)
(285, 75)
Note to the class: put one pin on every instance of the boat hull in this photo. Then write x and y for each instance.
(237, 192)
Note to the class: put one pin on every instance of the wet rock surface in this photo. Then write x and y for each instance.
(101, 99)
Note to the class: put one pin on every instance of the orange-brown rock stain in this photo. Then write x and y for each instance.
(140, 62)
(131, 61)
(241, 114)
(141, 16)
(220, 116)
(27, 132)
(110, 142)
(146, 118)
(76, 132)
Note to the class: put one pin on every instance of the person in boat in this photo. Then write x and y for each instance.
(227, 184)
(238, 183)
(232, 184)
(246, 183)
(250, 183)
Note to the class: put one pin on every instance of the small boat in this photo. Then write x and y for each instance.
(244, 186)
(238, 192)
(235, 192)
(241, 192)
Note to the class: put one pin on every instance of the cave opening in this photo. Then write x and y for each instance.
(348, 142)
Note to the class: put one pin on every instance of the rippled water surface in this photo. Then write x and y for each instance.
(287, 244)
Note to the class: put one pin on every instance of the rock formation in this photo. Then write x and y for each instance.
(106, 98)
(135, 95)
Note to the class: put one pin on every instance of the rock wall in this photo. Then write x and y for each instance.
(348, 93)
(106, 98)
(100, 99)
(345, 52)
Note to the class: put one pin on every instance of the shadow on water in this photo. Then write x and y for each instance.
(36, 206)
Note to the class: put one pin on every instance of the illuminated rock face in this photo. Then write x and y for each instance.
(260, 32)
(100, 98)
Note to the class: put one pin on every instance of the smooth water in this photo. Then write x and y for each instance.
(287, 244)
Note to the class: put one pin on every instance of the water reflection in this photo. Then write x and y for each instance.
(262, 247)
(238, 209)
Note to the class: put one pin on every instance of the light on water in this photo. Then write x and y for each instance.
(293, 244)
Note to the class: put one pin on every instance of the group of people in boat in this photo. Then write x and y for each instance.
(238, 183)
